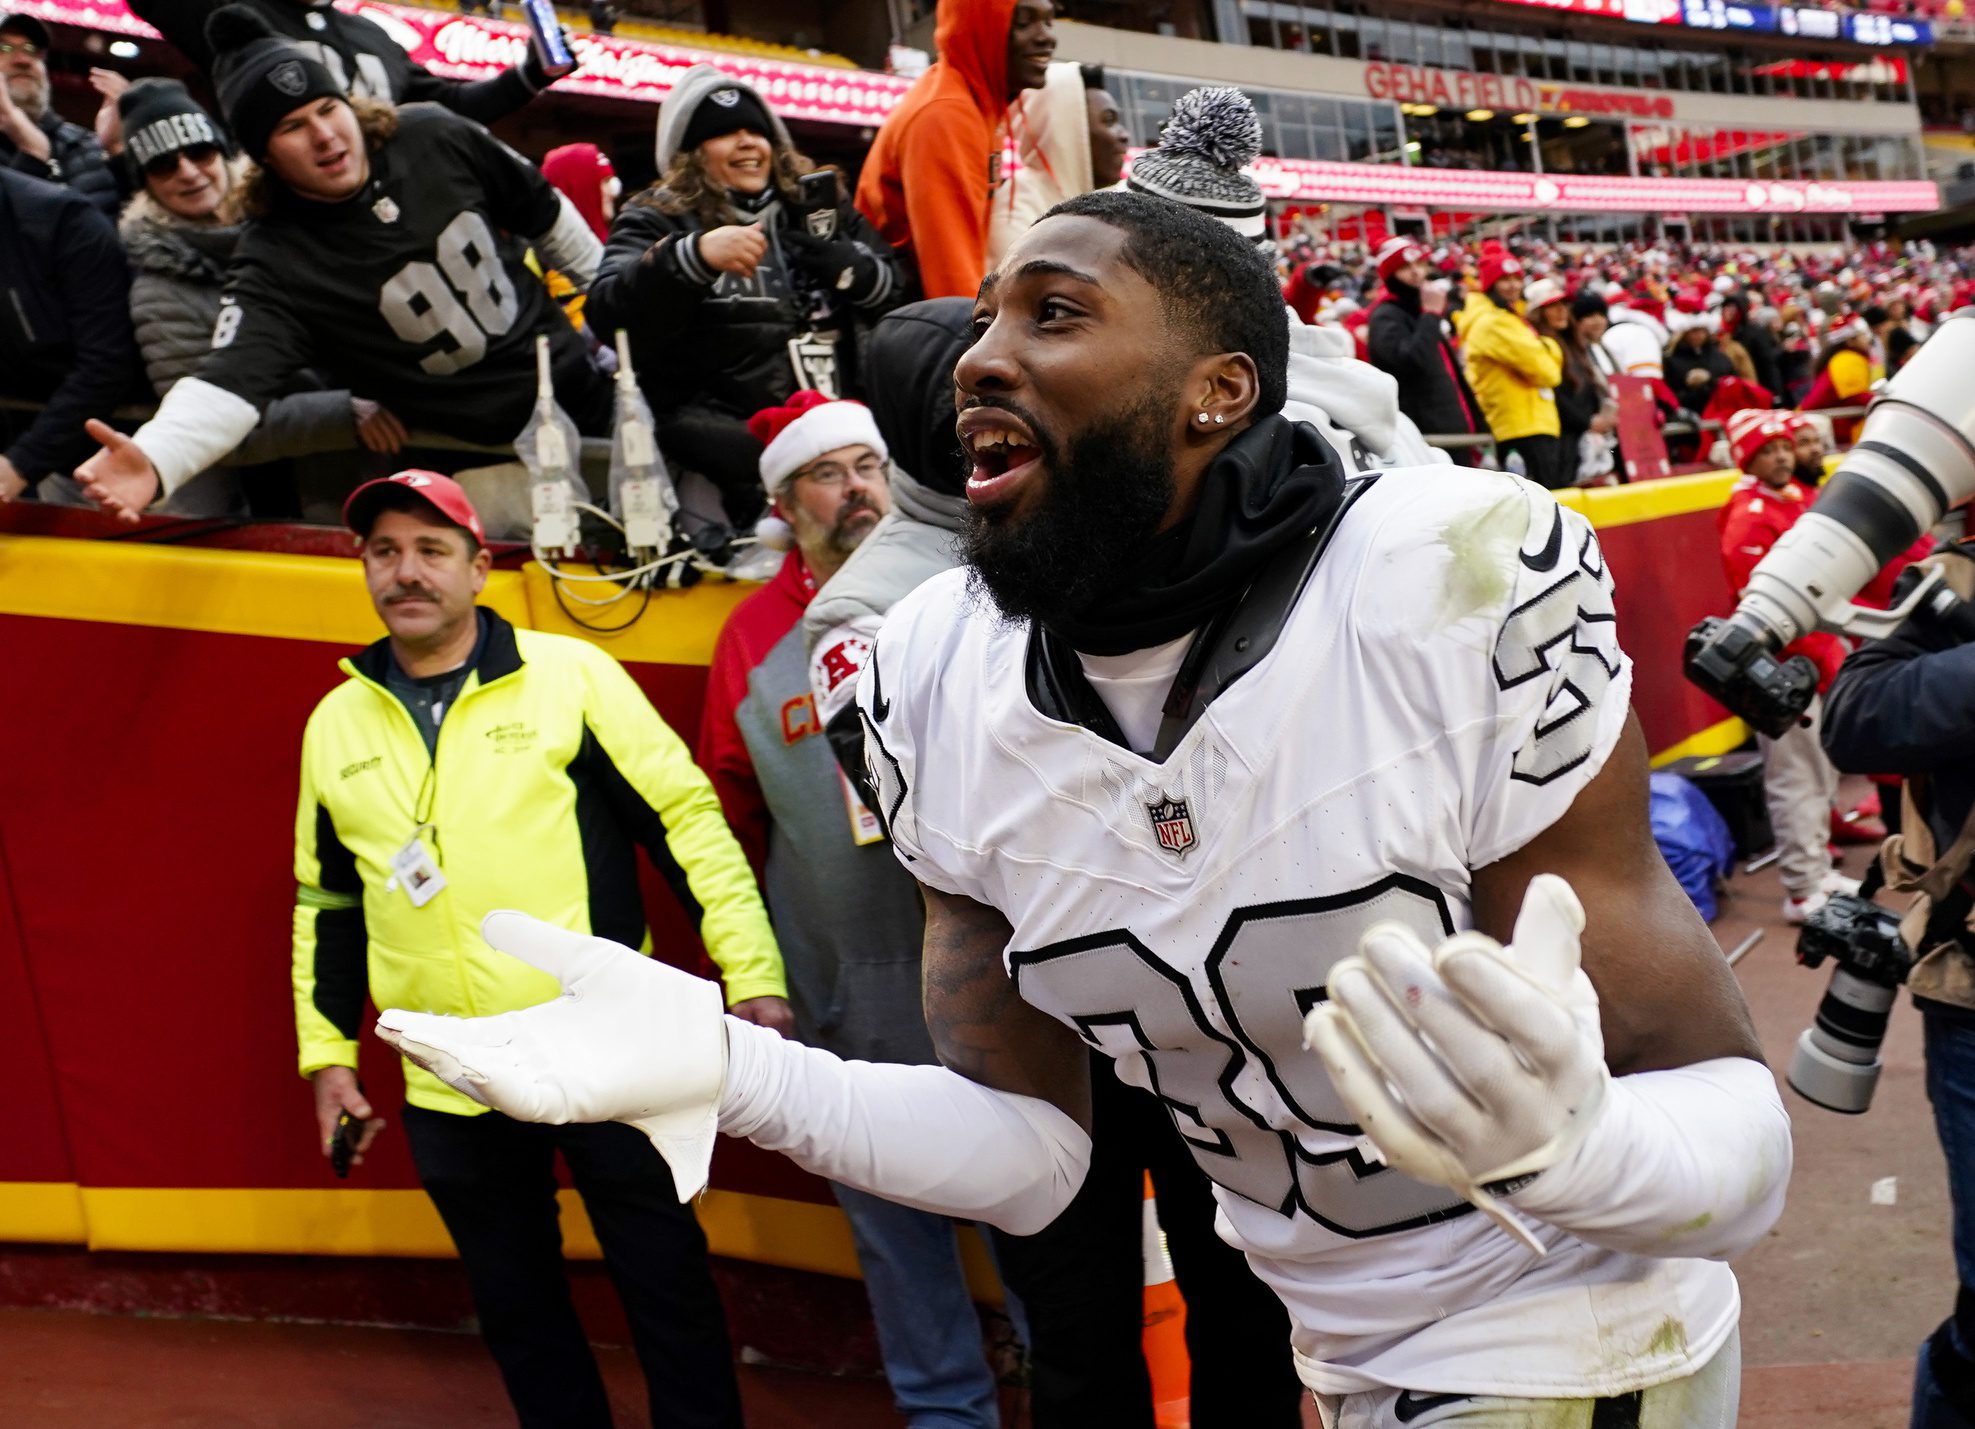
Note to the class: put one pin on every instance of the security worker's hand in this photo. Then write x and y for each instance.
(770, 1012)
(336, 1092)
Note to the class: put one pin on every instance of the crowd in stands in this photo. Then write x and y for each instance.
(744, 275)
(1520, 340)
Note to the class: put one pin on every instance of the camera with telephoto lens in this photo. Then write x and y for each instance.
(1837, 1059)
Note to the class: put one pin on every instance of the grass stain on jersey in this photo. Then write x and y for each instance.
(1669, 1339)
(1481, 557)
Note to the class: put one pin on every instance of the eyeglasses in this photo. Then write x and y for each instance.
(870, 469)
(165, 165)
(20, 47)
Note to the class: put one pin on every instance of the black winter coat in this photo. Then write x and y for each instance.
(1766, 356)
(75, 160)
(1709, 360)
(1415, 348)
(1906, 705)
(705, 338)
(64, 321)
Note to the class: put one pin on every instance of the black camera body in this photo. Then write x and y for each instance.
(1860, 936)
(1837, 1059)
(1731, 662)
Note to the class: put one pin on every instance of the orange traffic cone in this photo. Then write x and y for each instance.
(1165, 1328)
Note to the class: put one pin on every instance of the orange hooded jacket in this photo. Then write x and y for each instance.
(932, 169)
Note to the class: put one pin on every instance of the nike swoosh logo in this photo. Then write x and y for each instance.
(1546, 559)
(880, 706)
(1408, 1406)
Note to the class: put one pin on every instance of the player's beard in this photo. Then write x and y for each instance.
(1102, 501)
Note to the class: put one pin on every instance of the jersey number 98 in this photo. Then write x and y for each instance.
(467, 297)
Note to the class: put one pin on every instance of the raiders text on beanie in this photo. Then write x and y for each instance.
(160, 118)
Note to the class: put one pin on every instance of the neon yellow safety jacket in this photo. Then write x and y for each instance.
(551, 767)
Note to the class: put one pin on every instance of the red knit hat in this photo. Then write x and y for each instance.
(1752, 429)
(1396, 254)
(583, 175)
(1496, 264)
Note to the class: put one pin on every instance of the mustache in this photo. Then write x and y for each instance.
(1045, 441)
(410, 592)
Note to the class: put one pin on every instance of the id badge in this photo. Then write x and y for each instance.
(414, 870)
(864, 825)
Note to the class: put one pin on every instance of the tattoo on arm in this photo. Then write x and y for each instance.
(980, 1026)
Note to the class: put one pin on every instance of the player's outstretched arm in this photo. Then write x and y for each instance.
(634, 1040)
(980, 1027)
(1598, 1072)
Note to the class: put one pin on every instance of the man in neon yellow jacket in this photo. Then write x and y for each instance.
(1513, 371)
(466, 766)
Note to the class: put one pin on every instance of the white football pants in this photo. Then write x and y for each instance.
(1707, 1399)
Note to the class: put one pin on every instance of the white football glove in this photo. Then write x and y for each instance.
(1474, 1064)
(629, 1040)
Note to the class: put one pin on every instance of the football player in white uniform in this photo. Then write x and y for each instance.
(1212, 752)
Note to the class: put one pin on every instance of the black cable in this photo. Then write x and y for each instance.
(555, 587)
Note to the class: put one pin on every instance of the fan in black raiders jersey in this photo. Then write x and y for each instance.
(385, 252)
(361, 55)
(1314, 803)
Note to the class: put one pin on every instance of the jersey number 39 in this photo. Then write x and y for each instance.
(1229, 1064)
(467, 296)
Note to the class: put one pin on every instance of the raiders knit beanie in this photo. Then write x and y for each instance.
(259, 77)
(707, 102)
(160, 118)
(1210, 136)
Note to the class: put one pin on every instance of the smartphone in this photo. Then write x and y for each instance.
(551, 48)
(349, 1131)
(818, 193)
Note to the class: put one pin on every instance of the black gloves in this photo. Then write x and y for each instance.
(839, 264)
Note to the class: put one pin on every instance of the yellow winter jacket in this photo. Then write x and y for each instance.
(1514, 372)
(551, 768)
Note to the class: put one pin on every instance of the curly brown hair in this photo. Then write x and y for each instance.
(687, 188)
(377, 121)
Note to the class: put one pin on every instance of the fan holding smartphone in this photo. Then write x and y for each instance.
(736, 277)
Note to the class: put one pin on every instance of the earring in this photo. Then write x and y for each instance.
(1218, 419)
(1200, 417)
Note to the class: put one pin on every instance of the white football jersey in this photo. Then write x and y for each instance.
(1447, 683)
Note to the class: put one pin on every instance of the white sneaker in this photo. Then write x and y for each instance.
(1797, 911)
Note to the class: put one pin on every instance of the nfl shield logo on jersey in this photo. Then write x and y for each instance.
(1173, 825)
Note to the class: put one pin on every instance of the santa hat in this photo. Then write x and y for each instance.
(1752, 429)
(1397, 253)
(1497, 264)
(795, 434)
